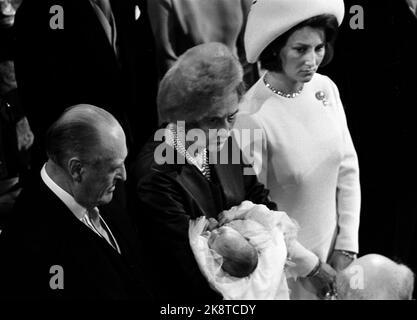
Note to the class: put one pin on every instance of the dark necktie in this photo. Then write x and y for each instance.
(101, 228)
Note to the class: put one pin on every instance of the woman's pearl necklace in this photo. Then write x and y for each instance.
(280, 93)
(179, 146)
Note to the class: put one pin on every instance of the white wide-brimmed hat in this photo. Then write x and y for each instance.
(268, 19)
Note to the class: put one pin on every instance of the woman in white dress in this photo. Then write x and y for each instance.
(305, 154)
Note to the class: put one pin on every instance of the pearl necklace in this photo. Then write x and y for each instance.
(283, 94)
(179, 146)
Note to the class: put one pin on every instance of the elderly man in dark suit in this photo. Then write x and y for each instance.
(80, 51)
(63, 241)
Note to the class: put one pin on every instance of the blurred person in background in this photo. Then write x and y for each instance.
(375, 277)
(179, 25)
(91, 58)
(15, 134)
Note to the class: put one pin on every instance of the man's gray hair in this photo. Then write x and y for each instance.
(76, 133)
(406, 289)
(383, 279)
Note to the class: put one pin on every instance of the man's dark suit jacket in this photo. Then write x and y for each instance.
(44, 233)
(58, 68)
(168, 196)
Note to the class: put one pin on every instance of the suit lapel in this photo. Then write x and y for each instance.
(75, 228)
(117, 230)
(230, 175)
(90, 17)
(198, 188)
(229, 178)
(190, 178)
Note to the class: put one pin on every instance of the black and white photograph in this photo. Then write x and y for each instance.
(202, 156)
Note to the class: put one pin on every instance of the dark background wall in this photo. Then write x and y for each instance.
(376, 72)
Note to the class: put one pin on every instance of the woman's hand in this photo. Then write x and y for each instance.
(225, 217)
(340, 260)
(323, 279)
(212, 224)
(237, 212)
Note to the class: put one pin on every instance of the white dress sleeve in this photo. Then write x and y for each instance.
(348, 188)
(301, 260)
(251, 138)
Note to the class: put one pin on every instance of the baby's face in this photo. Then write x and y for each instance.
(223, 239)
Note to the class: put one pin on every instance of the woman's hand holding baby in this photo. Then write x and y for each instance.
(212, 224)
(225, 217)
(238, 212)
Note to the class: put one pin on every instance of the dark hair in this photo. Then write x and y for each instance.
(270, 58)
(240, 262)
(76, 133)
(75, 138)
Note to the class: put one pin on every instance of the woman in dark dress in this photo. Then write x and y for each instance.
(193, 168)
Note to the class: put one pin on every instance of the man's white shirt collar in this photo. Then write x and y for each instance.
(78, 210)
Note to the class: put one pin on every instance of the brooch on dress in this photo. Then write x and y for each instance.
(321, 96)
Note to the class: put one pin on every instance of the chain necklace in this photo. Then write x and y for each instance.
(281, 93)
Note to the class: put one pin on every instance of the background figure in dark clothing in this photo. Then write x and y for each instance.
(376, 72)
(15, 134)
(178, 25)
(93, 59)
(147, 77)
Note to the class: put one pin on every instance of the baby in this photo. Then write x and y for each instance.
(240, 258)
(249, 253)
(243, 254)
